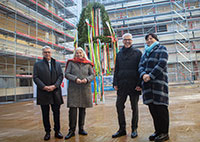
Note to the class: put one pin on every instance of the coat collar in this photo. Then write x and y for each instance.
(52, 60)
(124, 49)
(156, 47)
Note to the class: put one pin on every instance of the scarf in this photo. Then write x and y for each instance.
(149, 48)
(79, 60)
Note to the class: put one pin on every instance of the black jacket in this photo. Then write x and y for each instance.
(42, 77)
(126, 75)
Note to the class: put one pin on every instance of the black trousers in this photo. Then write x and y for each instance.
(120, 104)
(73, 118)
(160, 115)
(56, 117)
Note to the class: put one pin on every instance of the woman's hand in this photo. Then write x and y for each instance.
(84, 81)
(146, 77)
(78, 81)
(138, 88)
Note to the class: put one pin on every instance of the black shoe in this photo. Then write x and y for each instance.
(58, 135)
(119, 134)
(69, 135)
(162, 137)
(153, 136)
(82, 132)
(47, 136)
(134, 134)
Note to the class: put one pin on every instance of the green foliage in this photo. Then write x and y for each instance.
(82, 26)
(102, 39)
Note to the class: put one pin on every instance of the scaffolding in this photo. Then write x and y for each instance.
(176, 22)
(184, 63)
(25, 27)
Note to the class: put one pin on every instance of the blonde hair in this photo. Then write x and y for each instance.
(84, 54)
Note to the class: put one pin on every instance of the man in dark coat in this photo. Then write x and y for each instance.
(47, 75)
(127, 83)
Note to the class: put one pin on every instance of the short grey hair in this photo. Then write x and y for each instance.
(127, 34)
(45, 47)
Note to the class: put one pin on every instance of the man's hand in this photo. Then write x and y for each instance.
(146, 77)
(116, 88)
(46, 88)
(138, 88)
(51, 88)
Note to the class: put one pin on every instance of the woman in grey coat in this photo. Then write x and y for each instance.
(79, 72)
(153, 71)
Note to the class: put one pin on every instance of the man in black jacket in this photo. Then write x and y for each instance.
(48, 75)
(127, 83)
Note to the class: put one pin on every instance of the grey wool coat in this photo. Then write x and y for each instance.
(79, 95)
(156, 90)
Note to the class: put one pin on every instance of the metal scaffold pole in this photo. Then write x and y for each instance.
(184, 64)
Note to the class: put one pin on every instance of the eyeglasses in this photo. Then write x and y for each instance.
(46, 52)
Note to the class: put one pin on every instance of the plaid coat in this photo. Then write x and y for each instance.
(156, 90)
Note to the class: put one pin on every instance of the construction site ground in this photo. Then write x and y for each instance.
(22, 122)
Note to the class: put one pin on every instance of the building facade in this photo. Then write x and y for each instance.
(25, 27)
(176, 22)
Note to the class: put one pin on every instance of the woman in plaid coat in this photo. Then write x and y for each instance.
(153, 71)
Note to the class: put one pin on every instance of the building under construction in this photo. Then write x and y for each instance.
(176, 22)
(25, 27)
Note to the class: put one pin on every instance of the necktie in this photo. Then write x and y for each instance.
(49, 65)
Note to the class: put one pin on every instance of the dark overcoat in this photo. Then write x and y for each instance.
(126, 75)
(79, 95)
(156, 90)
(42, 77)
